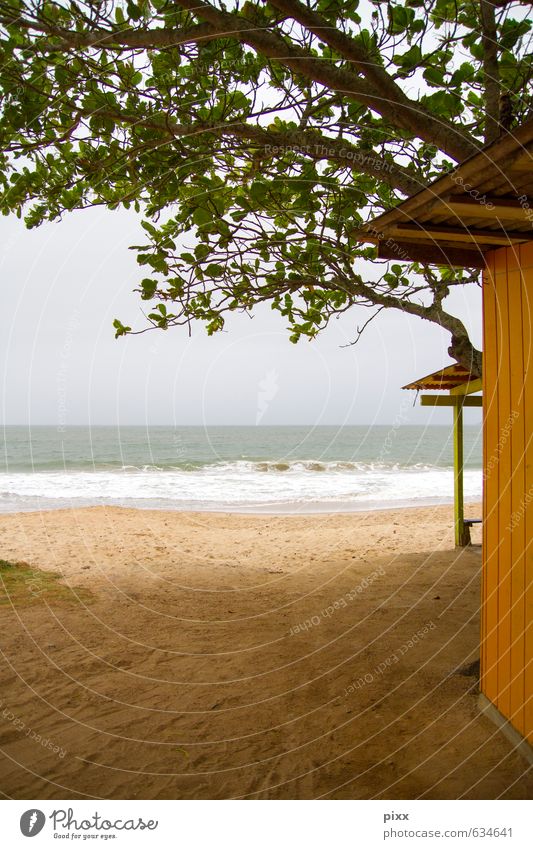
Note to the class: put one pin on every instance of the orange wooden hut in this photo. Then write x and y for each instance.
(481, 216)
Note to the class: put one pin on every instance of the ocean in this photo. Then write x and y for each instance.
(239, 469)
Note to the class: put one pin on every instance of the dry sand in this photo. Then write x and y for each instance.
(222, 656)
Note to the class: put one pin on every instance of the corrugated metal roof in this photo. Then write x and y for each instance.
(446, 378)
(486, 202)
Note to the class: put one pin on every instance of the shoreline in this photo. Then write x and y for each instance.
(288, 509)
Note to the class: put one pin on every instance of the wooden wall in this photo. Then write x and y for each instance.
(507, 586)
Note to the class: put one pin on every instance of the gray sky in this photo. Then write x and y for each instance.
(63, 284)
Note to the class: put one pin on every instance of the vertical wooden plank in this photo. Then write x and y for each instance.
(489, 679)
(458, 501)
(487, 273)
(513, 258)
(526, 261)
(527, 336)
(517, 436)
(504, 495)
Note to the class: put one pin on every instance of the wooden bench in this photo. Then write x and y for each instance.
(467, 524)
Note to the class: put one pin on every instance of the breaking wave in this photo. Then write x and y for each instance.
(238, 486)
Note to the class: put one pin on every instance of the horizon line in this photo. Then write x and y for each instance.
(63, 428)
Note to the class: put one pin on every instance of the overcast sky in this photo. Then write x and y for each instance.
(63, 284)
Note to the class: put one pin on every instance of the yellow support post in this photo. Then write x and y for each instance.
(462, 534)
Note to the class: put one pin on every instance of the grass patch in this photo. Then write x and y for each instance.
(23, 585)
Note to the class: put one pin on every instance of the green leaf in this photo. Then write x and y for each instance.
(201, 251)
(148, 288)
(134, 11)
(399, 18)
(202, 216)
(214, 269)
(120, 329)
(434, 76)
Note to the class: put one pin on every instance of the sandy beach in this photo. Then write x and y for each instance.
(185, 655)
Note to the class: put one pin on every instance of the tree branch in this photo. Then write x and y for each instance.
(310, 143)
(146, 39)
(491, 70)
(345, 46)
(376, 90)
(448, 137)
(461, 348)
(320, 147)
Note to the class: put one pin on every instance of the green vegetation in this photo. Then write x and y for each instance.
(22, 585)
(256, 137)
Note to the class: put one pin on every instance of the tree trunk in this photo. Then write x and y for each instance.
(466, 355)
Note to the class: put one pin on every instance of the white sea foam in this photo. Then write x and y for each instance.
(238, 486)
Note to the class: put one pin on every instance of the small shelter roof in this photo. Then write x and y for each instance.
(484, 203)
(448, 378)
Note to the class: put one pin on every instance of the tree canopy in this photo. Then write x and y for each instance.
(255, 138)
